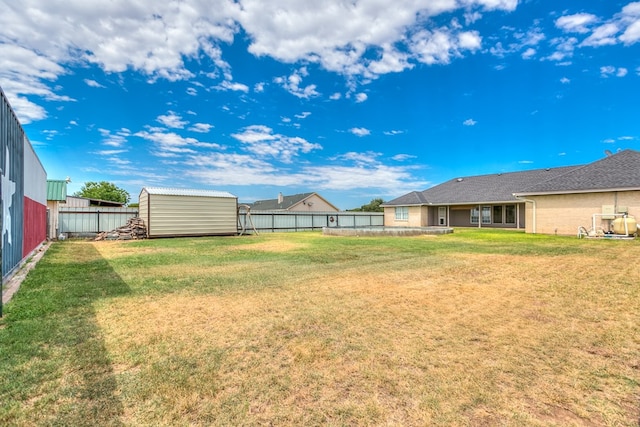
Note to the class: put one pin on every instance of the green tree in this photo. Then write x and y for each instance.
(103, 190)
(372, 206)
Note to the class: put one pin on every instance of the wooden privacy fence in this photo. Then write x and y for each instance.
(93, 219)
(275, 221)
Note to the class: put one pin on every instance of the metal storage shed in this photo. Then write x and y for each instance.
(172, 212)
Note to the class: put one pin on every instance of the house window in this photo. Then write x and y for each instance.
(486, 214)
(402, 213)
(510, 214)
(497, 214)
(475, 215)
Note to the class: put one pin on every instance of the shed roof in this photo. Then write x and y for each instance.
(188, 192)
(57, 190)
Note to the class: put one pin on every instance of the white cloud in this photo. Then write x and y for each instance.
(160, 40)
(359, 159)
(632, 34)
(237, 87)
(403, 157)
(439, 46)
(565, 81)
(603, 35)
(192, 91)
(577, 23)
(529, 53)
(92, 83)
(292, 84)
(172, 120)
(170, 144)
(261, 141)
(565, 47)
(610, 71)
(357, 172)
(200, 127)
(303, 115)
(335, 96)
(470, 122)
(258, 87)
(360, 131)
(115, 139)
(393, 132)
(361, 97)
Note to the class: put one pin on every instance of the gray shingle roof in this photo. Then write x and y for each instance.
(273, 205)
(479, 189)
(615, 172)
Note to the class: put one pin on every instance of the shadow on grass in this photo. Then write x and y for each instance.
(54, 365)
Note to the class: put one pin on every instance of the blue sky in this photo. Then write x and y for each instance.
(351, 99)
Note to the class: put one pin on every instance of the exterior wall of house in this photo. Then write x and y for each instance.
(456, 216)
(564, 213)
(418, 216)
(174, 215)
(313, 204)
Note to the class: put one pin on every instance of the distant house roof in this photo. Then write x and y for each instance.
(57, 190)
(620, 171)
(494, 188)
(187, 192)
(284, 203)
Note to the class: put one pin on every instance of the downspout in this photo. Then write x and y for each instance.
(533, 202)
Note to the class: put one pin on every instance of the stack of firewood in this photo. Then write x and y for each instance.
(133, 230)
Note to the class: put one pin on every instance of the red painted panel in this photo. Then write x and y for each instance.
(35, 225)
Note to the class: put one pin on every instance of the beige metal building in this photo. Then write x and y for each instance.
(172, 212)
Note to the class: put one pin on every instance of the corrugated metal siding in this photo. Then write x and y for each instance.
(276, 221)
(143, 207)
(93, 219)
(12, 167)
(35, 201)
(57, 190)
(35, 225)
(191, 216)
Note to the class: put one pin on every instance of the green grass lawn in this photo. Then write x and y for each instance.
(473, 328)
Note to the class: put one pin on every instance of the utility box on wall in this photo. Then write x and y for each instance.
(173, 212)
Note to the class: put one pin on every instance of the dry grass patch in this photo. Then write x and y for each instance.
(480, 339)
(479, 328)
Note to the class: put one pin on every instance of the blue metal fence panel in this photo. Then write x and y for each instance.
(93, 219)
(279, 221)
(12, 171)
